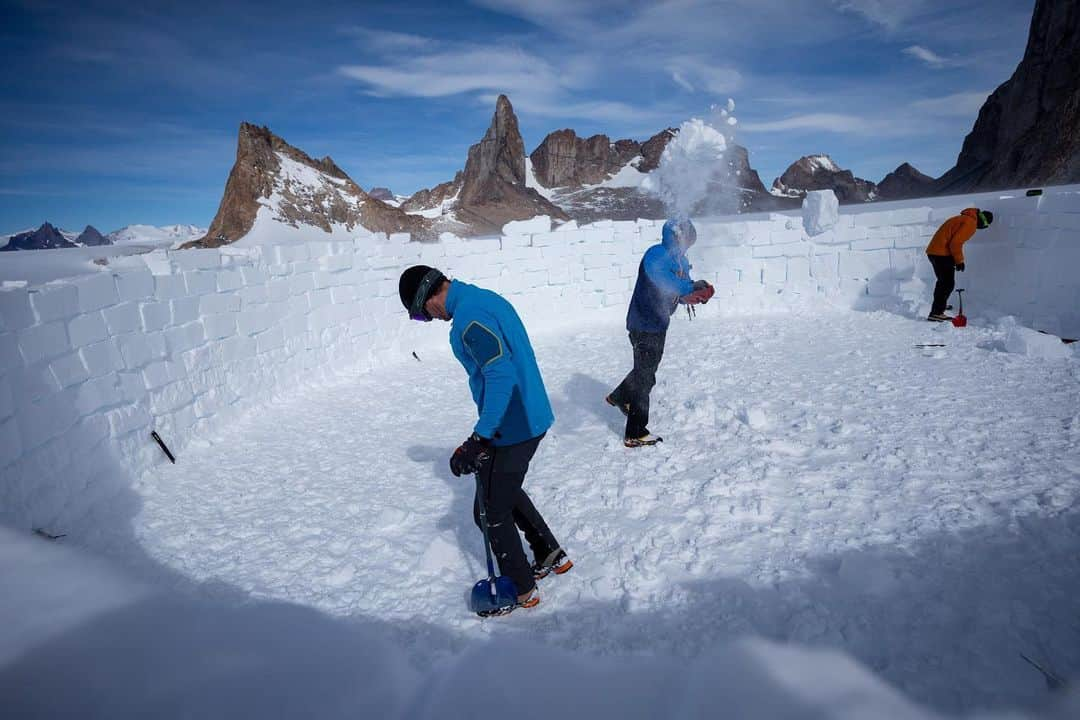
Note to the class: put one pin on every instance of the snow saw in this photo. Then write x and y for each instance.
(493, 595)
(961, 319)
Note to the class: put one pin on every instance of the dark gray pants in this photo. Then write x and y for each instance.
(945, 271)
(635, 388)
(509, 509)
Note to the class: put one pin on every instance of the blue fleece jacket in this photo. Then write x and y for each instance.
(490, 342)
(663, 277)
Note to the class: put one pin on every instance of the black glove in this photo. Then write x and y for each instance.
(470, 455)
(960, 267)
(700, 285)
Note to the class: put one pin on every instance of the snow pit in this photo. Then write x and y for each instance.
(829, 495)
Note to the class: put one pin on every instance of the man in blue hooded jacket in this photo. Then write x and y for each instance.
(490, 342)
(663, 282)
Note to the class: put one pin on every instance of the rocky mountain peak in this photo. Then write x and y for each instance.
(90, 236)
(564, 159)
(905, 182)
(493, 190)
(499, 158)
(272, 177)
(819, 172)
(1028, 130)
(46, 237)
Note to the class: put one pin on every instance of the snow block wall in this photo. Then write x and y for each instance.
(180, 342)
(1027, 263)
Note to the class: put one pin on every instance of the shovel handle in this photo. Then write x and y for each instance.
(484, 526)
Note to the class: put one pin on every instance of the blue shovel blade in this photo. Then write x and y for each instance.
(484, 602)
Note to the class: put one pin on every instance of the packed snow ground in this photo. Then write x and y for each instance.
(822, 481)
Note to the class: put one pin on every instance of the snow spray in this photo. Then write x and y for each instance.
(697, 174)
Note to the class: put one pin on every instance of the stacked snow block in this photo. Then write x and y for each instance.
(1025, 264)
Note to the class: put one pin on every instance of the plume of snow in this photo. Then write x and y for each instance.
(695, 173)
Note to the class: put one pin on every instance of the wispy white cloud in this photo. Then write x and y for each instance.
(927, 55)
(694, 73)
(496, 69)
(825, 122)
(888, 14)
(963, 104)
(386, 40)
(533, 83)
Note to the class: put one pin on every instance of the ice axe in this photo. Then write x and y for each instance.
(493, 595)
(961, 319)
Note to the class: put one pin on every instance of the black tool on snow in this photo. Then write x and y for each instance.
(161, 444)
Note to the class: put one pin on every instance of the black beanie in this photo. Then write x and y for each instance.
(410, 282)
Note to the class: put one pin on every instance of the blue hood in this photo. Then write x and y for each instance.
(673, 230)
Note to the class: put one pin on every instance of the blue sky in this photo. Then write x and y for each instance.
(119, 113)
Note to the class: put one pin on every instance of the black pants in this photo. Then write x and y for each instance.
(509, 508)
(945, 270)
(635, 387)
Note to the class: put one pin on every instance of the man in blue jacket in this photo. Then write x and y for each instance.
(663, 283)
(489, 340)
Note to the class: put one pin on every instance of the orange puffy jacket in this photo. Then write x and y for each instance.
(953, 233)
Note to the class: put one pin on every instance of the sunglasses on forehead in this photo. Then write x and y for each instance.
(417, 311)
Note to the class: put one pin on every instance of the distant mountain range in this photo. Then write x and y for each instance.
(48, 237)
(1027, 133)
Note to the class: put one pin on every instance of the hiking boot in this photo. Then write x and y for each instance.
(647, 439)
(938, 317)
(556, 562)
(528, 600)
(525, 600)
(624, 408)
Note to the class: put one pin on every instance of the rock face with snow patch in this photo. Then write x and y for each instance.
(440, 196)
(905, 182)
(493, 189)
(594, 178)
(45, 237)
(563, 159)
(299, 191)
(1028, 130)
(819, 172)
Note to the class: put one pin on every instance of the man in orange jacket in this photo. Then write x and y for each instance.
(946, 254)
